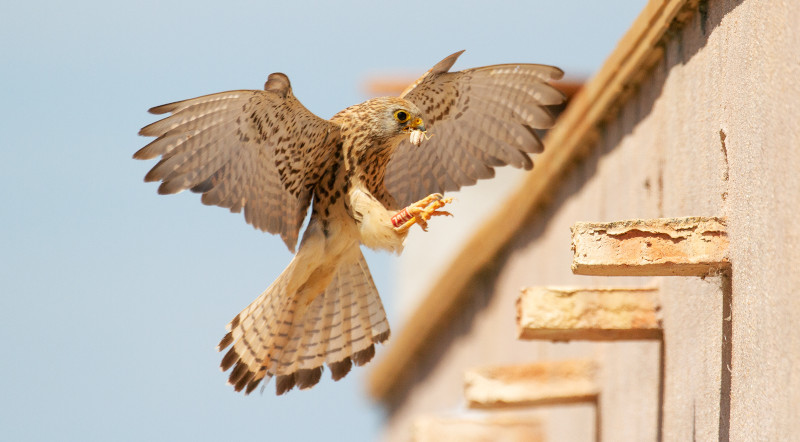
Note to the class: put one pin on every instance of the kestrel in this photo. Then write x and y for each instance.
(369, 173)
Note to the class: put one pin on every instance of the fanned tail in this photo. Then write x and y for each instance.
(292, 335)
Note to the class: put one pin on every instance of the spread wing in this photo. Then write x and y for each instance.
(477, 119)
(261, 151)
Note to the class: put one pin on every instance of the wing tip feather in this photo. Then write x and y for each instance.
(446, 63)
(164, 108)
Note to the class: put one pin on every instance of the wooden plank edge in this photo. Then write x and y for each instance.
(588, 313)
(690, 246)
(541, 383)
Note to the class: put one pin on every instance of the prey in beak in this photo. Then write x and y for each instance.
(417, 130)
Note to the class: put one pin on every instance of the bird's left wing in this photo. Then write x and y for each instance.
(261, 151)
(476, 119)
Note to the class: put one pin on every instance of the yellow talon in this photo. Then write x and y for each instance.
(420, 212)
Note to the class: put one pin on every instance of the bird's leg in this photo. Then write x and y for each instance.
(420, 212)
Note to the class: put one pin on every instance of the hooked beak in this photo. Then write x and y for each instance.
(417, 124)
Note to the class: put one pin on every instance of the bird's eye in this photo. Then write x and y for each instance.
(401, 116)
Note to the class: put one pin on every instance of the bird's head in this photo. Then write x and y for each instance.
(396, 117)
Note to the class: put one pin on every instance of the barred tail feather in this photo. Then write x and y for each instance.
(291, 336)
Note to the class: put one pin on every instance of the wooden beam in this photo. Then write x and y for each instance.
(695, 246)
(438, 429)
(543, 383)
(570, 139)
(562, 314)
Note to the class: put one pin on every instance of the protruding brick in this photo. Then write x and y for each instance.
(511, 429)
(588, 313)
(532, 384)
(694, 246)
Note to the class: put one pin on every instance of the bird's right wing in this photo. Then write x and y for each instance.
(477, 119)
(261, 151)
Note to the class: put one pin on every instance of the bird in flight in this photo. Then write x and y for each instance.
(369, 174)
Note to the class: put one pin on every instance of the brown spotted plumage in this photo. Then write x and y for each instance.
(266, 154)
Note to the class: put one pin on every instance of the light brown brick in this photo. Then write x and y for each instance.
(695, 246)
(562, 314)
(456, 429)
(541, 383)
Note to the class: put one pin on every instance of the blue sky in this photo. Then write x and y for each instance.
(112, 298)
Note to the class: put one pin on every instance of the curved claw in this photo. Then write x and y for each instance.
(420, 212)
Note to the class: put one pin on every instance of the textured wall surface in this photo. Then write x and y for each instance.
(713, 130)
